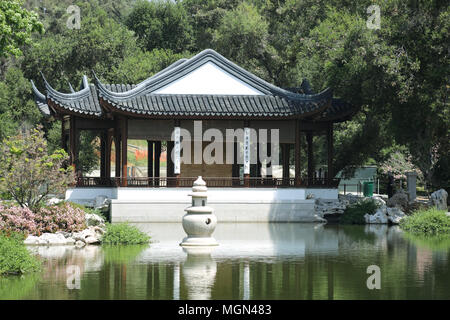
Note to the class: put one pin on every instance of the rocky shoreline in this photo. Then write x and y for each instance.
(90, 236)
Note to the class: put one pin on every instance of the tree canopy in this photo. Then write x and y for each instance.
(16, 27)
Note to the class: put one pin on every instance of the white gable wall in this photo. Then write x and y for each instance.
(208, 79)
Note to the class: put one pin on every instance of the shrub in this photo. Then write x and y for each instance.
(14, 256)
(18, 220)
(28, 173)
(428, 222)
(123, 233)
(354, 214)
(63, 217)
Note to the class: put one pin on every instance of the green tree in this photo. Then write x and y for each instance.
(161, 24)
(29, 173)
(16, 27)
(243, 36)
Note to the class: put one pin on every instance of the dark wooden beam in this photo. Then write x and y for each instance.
(313, 126)
(73, 142)
(285, 153)
(170, 164)
(309, 140)
(103, 143)
(150, 158)
(157, 158)
(95, 124)
(124, 149)
(109, 138)
(297, 153)
(330, 152)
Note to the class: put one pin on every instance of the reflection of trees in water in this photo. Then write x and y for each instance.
(17, 287)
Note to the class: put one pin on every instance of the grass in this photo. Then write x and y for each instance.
(14, 256)
(427, 222)
(354, 214)
(123, 233)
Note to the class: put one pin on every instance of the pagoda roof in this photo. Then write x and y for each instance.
(206, 85)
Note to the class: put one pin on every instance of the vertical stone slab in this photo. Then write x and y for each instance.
(411, 179)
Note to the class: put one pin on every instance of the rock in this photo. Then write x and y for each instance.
(324, 207)
(102, 203)
(350, 198)
(379, 201)
(53, 238)
(94, 220)
(395, 215)
(31, 240)
(400, 200)
(319, 218)
(80, 243)
(379, 216)
(91, 235)
(439, 199)
(92, 240)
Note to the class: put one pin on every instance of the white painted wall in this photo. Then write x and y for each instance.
(209, 79)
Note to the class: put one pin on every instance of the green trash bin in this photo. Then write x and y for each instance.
(368, 188)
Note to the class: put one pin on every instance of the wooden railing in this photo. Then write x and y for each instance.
(211, 182)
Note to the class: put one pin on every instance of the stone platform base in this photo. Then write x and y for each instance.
(229, 204)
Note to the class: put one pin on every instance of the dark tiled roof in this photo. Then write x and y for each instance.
(140, 99)
(84, 101)
(41, 101)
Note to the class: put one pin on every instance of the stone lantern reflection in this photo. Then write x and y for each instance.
(199, 221)
(199, 272)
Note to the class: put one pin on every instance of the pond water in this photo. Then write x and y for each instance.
(253, 261)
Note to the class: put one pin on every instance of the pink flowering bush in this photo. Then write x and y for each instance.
(63, 217)
(17, 219)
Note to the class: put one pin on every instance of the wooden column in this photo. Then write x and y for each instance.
(297, 153)
(103, 138)
(330, 152)
(109, 137)
(269, 166)
(169, 161)
(63, 135)
(285, 152)
(118, 153)
(309, 140)
(150, 158)
(73, 142)
(157, 158)
(124, 147)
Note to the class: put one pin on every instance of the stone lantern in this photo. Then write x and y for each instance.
(199, 221)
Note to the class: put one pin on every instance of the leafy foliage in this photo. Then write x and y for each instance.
(354, 214)
(123, 233)
(14, 256)
(16, 27)
(427, 222)
(28, 173)
(161, 24)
